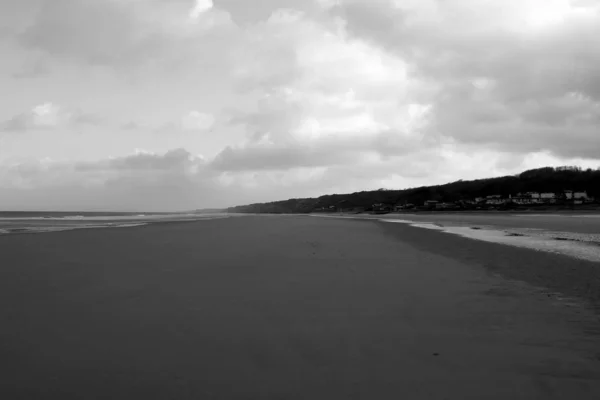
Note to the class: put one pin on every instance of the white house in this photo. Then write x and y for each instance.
(548, 197)
(520, 199)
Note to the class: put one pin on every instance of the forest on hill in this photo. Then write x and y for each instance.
(547, 179)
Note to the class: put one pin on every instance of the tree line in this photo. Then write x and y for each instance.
(547, 179)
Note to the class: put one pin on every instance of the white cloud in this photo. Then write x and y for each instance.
(200, 7)
(335, 94)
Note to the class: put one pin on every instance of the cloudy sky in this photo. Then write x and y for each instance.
(184, 104)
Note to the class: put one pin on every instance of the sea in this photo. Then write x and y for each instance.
(26, 222)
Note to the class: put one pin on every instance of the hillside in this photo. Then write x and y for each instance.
(548, 179)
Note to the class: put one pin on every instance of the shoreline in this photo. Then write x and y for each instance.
(575, 236)
(557, 275)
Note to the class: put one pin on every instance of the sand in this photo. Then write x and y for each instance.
(290, 308)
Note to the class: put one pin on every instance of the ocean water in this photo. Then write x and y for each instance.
(45, 222)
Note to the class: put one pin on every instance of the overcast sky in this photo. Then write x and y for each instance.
(183, 104)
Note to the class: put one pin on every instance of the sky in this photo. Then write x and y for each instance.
(163, 105)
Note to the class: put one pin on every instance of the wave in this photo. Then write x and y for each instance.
(21, 225)
(61, 228)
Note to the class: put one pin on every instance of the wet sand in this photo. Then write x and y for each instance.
(568, 222)
(290, 308)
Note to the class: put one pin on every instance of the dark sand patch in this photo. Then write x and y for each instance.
(572, 277)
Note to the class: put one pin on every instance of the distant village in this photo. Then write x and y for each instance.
(539, 189)
(491, 202)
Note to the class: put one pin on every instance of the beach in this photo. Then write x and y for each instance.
(294, 307)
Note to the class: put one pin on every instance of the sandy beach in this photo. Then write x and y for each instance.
(293, 307)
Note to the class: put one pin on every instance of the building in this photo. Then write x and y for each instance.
(431, 203)
(381, 208)
(445, 206)
(495, 200)
(548, 197)
(523, 199)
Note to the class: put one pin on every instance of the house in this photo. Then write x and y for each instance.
(495, 200)
(548, 197)
(407, 206)
(381, 208)
(522, 199)
(580, 196)
(431, 203)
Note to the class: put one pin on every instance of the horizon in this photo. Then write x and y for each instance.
(267, 201)
(209, 104)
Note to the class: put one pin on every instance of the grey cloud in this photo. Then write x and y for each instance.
(532, 74)
(59, 117)
(18, 123)
(100, 32)
(176, 159)
(32, 70)
(277, 158)
(131, 125)
(245, 12)
(320, 153)
(175, 180)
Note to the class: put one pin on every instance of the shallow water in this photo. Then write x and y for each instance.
(577, 245)
(40, 223)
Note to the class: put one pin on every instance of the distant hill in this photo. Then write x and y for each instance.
(548, 179)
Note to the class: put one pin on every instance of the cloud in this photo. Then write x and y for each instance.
(520, 79)
(332, 100)
(47, 116)
(196, 120)
(246, 13)
(141, 31)
(144, 180)
(200, 7)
